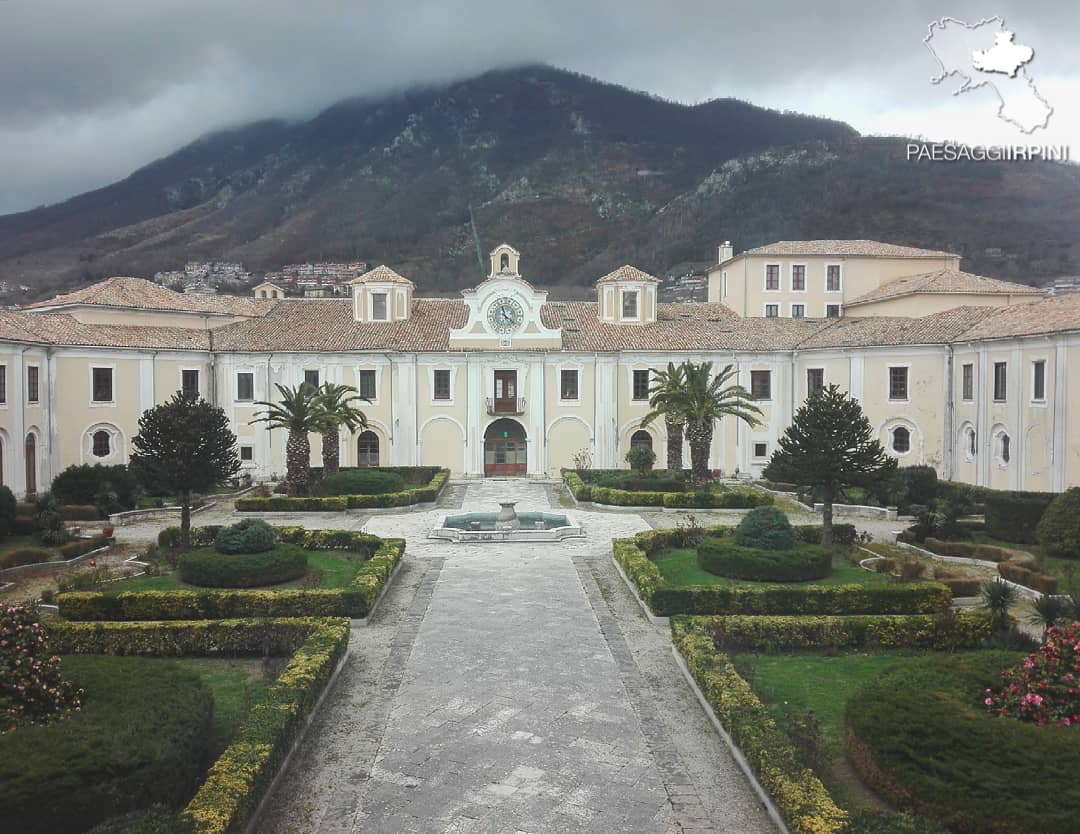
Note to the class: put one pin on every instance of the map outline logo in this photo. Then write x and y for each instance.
(1002, 56)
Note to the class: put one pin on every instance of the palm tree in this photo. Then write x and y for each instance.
(706, 398)
(336, 403)
(664, 398)
(299, 413)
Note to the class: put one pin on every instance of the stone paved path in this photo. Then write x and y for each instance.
(511, 688)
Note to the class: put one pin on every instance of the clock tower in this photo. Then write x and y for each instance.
(505, 310)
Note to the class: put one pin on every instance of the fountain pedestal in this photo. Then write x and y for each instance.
(507, 518)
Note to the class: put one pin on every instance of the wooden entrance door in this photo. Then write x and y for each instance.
(505, 450)
(505, 392)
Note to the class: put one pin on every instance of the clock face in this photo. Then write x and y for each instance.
(505, 315)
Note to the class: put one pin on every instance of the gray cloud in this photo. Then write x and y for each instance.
(92, 91)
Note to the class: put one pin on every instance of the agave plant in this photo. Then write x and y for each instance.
(998, 597)
(299, 413)
(1050, 610)
(338, 406)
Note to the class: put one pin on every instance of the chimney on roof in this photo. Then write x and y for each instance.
(726, 253)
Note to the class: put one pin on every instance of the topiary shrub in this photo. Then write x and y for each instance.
(24, 556)
(7, 510)
(248, 536)
(766, 528)
(1015, 516)
(141, 738)
(361, 482)
(211, 569)
(800, 563)
(1059, 530)
(641, 459)
(32, 690)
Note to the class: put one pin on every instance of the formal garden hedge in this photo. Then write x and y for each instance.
(944, 631)
(922, 737)
(238, 780)
(339, 503)
(632, 555)
(800, 563)
(799, 795)
(724, 499)
(209, 568)
(357, 600)
(1015, 516)
(141, 738)
(1059, 530)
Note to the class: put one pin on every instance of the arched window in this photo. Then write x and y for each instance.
(504, 262)
(31, 464)
(102, 444)
(641, 438)
(1005, 443)
(901, 440)
(367, 449)
(972, 439)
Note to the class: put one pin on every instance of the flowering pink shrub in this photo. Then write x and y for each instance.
(1045, 688)
(32, 690)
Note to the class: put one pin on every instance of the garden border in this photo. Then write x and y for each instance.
(668, 503)
(23, 571)
(1023, 590)
(279, 720)
(383, 501)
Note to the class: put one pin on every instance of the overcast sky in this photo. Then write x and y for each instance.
(90, 91)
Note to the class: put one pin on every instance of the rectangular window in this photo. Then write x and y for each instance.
(3, 383)
(1001, 381)
(967, 384)
(772, 311)
(103, 385)
(1038, 380)
(898, 383)
(832, 278)
(761, 450)
(798, 311)
(798, 278)
(442, 385)
(32, 392)
(832, 311)
(311, 378)
(815, 380)
(761, 385)
(189, 383)
(245, 386)
(568, 385)
(365, 386)
(641, 385)
(629, 304)
(772, 276)
(378, 306)
(247, 453)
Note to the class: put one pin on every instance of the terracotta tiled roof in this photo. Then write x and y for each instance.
(382, 274)
(627, 273)
(1060, 314)
(944, 281)
(63, 329)
(140, 294)
(327, 324)
(859, 248)
(936, 329)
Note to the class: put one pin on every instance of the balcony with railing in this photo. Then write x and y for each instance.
(503, 406)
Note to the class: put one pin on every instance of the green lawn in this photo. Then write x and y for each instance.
(326, 569)
(680, 569)
(792, 685)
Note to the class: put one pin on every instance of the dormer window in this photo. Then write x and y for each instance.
(378, 306)
(629, 304)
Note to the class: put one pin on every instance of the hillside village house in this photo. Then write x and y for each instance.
(977, 377)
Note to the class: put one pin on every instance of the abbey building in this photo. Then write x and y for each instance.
(977, 377)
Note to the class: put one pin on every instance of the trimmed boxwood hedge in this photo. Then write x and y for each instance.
(921, 737)
(210, 569)
(728, 499)
(356, 600)
(1040, 582)
(801, 563)
(945, 631)
(237, 782)
(360, 482)
(799, 794)
(1015, 516)
(340, 503)
(1059, 530)
(140, 738)
(25, 556)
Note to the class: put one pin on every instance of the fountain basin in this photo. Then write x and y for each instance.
(488, 527)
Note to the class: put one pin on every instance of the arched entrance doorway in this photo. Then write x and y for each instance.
(31, 465)
(504, 448)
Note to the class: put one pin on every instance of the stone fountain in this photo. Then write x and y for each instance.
(507, 519)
